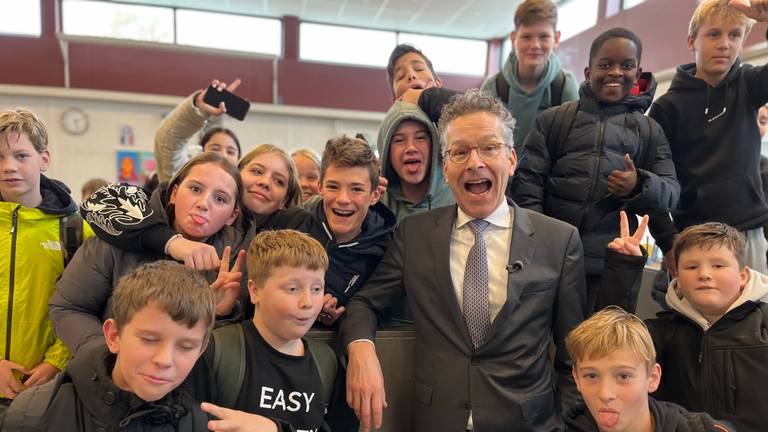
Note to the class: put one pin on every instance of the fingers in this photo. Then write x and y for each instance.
(224, 266)
(623, 224)
(640, 232)
(239, 262)
(628, 163)
(235, 84)
(329, 303)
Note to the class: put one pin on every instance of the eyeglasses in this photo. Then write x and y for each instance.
(486, 152)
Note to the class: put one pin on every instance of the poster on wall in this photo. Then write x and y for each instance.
(135, 167)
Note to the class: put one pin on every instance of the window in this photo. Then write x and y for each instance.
(334, 44)
(231, 32)
(626, 4)
(506, 48)
(20, 17)
(122, 21)
(450, 55)
(576, 16)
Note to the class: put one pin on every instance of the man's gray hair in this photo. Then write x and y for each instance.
(471, 102)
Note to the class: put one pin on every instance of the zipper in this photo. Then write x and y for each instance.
(11, 274)
(598, 154)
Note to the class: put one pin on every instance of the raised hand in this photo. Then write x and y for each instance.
(10, 387)
(622, 183)
(221, 109)
(755, 9)
(230, 420)
(41, 374)
(330, 312)
(629, 244)
(227, 284)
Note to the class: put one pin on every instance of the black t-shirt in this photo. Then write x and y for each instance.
(276, 385)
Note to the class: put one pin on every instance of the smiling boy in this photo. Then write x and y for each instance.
(587, 175)
(614, 366)
(709, 116)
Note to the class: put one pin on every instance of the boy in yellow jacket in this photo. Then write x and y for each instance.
(34, 214)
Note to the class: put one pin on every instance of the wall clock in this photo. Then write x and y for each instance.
(74, 121)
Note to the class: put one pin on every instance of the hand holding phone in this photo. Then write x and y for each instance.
(235, 106)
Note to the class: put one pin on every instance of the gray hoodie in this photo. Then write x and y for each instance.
(524, 106)
(439, 193)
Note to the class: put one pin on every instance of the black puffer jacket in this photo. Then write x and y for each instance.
(667, 417)
(574, 187)
(85, 399)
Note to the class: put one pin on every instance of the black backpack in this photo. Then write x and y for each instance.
(70, 235)
(229, 364)
(555, 88)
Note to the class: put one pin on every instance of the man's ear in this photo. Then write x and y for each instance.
(557, 39)
(111, 335)
(576, 378)
(172, 198)
(253, 291)
(690, 42)
(586, 73)
(375, 195)
(512, 37)
(438, 83)
(744, 277)
(637, 75)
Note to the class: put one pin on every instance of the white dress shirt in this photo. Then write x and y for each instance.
(497, 236)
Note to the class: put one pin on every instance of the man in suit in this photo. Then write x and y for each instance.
(489, 285)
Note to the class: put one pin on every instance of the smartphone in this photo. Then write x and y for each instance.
(237, 107)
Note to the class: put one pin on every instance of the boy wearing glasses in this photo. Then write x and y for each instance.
(589, 159)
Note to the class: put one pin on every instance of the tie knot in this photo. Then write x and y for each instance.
(478, 226)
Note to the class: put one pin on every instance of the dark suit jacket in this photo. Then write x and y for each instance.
(508, 382)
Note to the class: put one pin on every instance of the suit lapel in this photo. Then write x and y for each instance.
(521, 252)
(440, 239)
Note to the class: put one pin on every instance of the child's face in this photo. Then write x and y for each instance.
(409, 152)
(309, 176)
(710, 279)
(615, 389)
(154, 352)
(412, 72)
(287, 303)
(716, 47)
(347, 195)
(265, 183)
(762, 120)
(533, 44)
(204, 201)
(614, 70)
(20, 168)
(223, 144)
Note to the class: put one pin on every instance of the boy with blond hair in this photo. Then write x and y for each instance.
(37, 215)
(709, 117)
(266, 366)
(614, 366)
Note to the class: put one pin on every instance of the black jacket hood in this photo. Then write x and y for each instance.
(56, 198)
(641, 101)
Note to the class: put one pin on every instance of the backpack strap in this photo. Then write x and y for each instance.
(327, 366)
(556, 89)
(651, 146)
(70, 235)
(228, 363)
(561, 125)
(502, 88)
(27, 411)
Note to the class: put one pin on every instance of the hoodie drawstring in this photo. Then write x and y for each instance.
(725, 103)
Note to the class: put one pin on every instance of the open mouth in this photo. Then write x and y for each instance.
(412, 165)
(477, 187)
(198, 219)
(613, 85)
(343, 213)
(607, 418)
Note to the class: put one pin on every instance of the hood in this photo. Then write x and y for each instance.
(685, 81)
(400, 112)
(91, 373)
(639, 98)
(379, 223)
(756, 291)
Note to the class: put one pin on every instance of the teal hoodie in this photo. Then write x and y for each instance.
(525, 107)
(439, 193)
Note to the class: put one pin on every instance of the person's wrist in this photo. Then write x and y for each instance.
(170, 241)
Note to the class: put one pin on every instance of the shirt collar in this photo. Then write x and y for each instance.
(500, 217)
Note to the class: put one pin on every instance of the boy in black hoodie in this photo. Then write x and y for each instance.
(581, 169)
(614, 366)
(709, 118)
